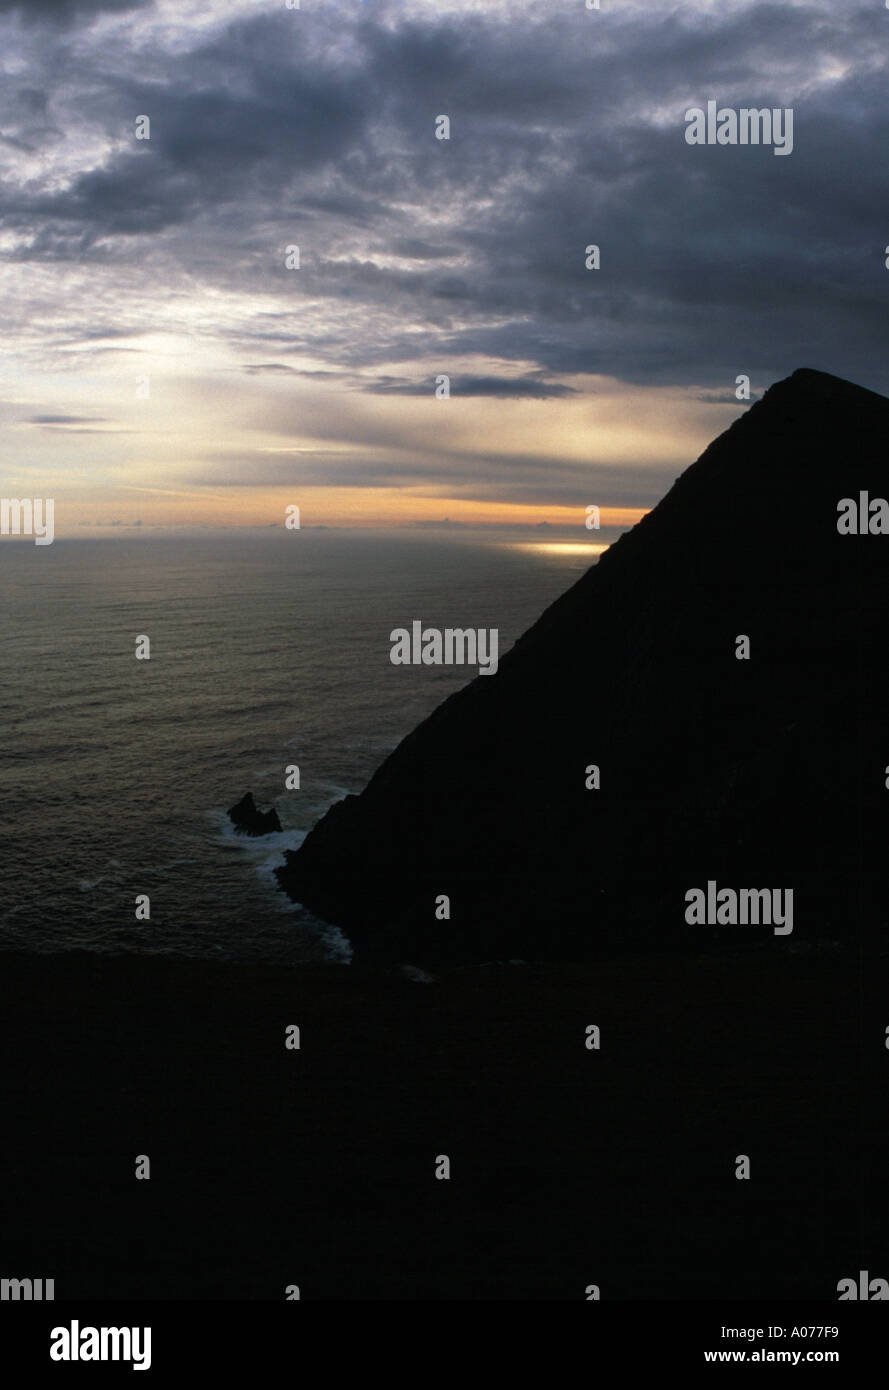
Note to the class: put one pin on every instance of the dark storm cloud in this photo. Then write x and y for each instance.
(517, 388)
(412, 249)
(567, 130)
(66, 11)
(64, 420)
(232, 126)
(269, 368)
(281, 369)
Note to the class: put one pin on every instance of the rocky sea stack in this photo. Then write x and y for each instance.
(249, 820)
(757, 764)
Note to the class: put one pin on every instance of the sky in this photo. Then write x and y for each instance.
(161, 366)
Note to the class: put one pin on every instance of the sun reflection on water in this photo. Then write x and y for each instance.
(561, 547)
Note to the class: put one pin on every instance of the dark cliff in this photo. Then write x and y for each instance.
(753, 773)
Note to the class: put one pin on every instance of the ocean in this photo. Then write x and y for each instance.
(268, 649)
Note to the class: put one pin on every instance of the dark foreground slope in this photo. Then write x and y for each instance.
(569, 1167)
(752, 773)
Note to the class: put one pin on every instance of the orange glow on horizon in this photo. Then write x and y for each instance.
(358, 507)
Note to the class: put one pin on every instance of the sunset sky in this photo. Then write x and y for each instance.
(125, 259)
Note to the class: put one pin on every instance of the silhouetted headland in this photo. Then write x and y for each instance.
(763, 770)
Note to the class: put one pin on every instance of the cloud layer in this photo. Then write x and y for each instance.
(273, 128)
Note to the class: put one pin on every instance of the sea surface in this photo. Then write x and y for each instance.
(267, 650)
